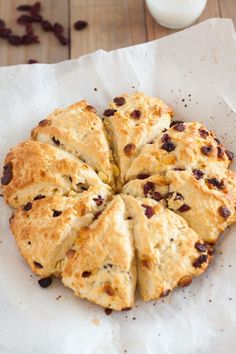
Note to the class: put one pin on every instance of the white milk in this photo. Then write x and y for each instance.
(176, 13)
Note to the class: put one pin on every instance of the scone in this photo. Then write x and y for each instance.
(33, 168)
(185, 146)
(207, 204)
(101, 265)
(78, 130)
(45, 229)
(169, 252)
(132, 121)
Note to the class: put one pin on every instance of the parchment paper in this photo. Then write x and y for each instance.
(194, 71)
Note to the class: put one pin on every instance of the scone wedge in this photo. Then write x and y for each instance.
(169, 252)
(78, 130)
(100, 267)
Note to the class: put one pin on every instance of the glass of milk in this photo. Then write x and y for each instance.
(176, 13)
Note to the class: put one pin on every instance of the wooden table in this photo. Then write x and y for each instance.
(112, 24)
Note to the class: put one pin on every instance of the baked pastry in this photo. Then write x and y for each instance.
(46, 228)
(177, 196)
(78, 130)
(169, 252)
(133, 121)
(33, 168)
(101, 266)
(188, 146)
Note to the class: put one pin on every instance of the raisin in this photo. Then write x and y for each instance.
(107, 311)
(148, 187)
(206, 150)
(7, 174)
(201, 247)
(220, 152)
(24, 7)
(99, 200)
(27, 206)
(230, 155)
(38, 265)
(175, 122)
(109, 112)
(143, 176)
(119, 101)
(198, 174)
(129, 149)
(86, 274)
(217, 140)
(39, 197)
(56, 213)
(203, 133)
(168, 146)
(165, 293)
(45, 282)
(136, 114)
(96, 215)
(179, 127)
(109, 290)
(56, 141)
(165, 138)
(149, 211)
(80, 25)
(157, 196)
(224, 212)
(201, 259)
(215, 183)
(184, 208)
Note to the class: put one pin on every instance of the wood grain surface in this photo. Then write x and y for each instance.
(112, 24)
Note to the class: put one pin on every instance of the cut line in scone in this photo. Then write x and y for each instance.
(100, 267)
(207, 204)
(131, 122)
(46, 229)
(33, 168)
(80, 131)
(169, 252)
(186, 145)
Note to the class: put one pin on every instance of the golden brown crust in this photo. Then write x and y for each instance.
(78, 130)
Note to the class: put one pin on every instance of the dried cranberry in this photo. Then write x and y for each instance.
(206, 150)
(38, 265)
(201, 247)
(224, 212)
(27, 206)
(24, 19)
(45, 282)
(29, 29)
(184, 208)
(157, 196)
(56, 213)
(35, 39)
(198, 174)
(56, 141)
(136, 114)
(32, 61)
(119, 101)
(46, 26)
(15, 40)
(175, 122)
(149, 211)
(230, 155)
(96, 215)
(24, 7)
(143, 176)
(148, 187)
(5, 32)
(107, 311)
(201, 259)
(129, 149)
(109, 112)
(35, 9)
(37, 18)
(165, 293)
(203, 133)
(57, 28)
(39, 197)
(168, 146)
(2, 24)
(63, 40)
(7, 174)
(215, 183)
(86, 274)
(165, 138)
(26, 39)
(99, 200)
(220, 152)
(179, 127)
(80, 25)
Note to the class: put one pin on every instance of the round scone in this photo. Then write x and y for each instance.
(100, 267)
(78, 130)
(46, 229)
(33, 168)
(132, 121)
(189, 146)
(169, 252)
(207, 204)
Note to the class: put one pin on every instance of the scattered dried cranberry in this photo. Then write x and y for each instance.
(45, 282)
(165, 293)
(220, 152)
(32, 61)
(157, 196)
(109, 112)
(201, 259)
(56, 213)
(46, 26)
(206, 150)
(57, 28)
(99, 200)
(63, 40)
(29, 29)
(149, 211)
(136, 114)
(198, 174)
(37, 18)
(201, 247)
(5, 32)
(39, 197)
(56, 141)
(24, 7)
(148, 187)
(224, 212)
(143, 176)
(7, 174)
(86, 274)
(27, 206)
(129, 149)
(26, 39)
(168, 146)
(35, 9)
(203, 133)
(24, 19)
(175, 122)
(230, 155)
(15, 40)
(165, 138)
(179, 127)
(119, 101)
(184, 208)
(2, 24)
(215, 183)
(80, 25)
